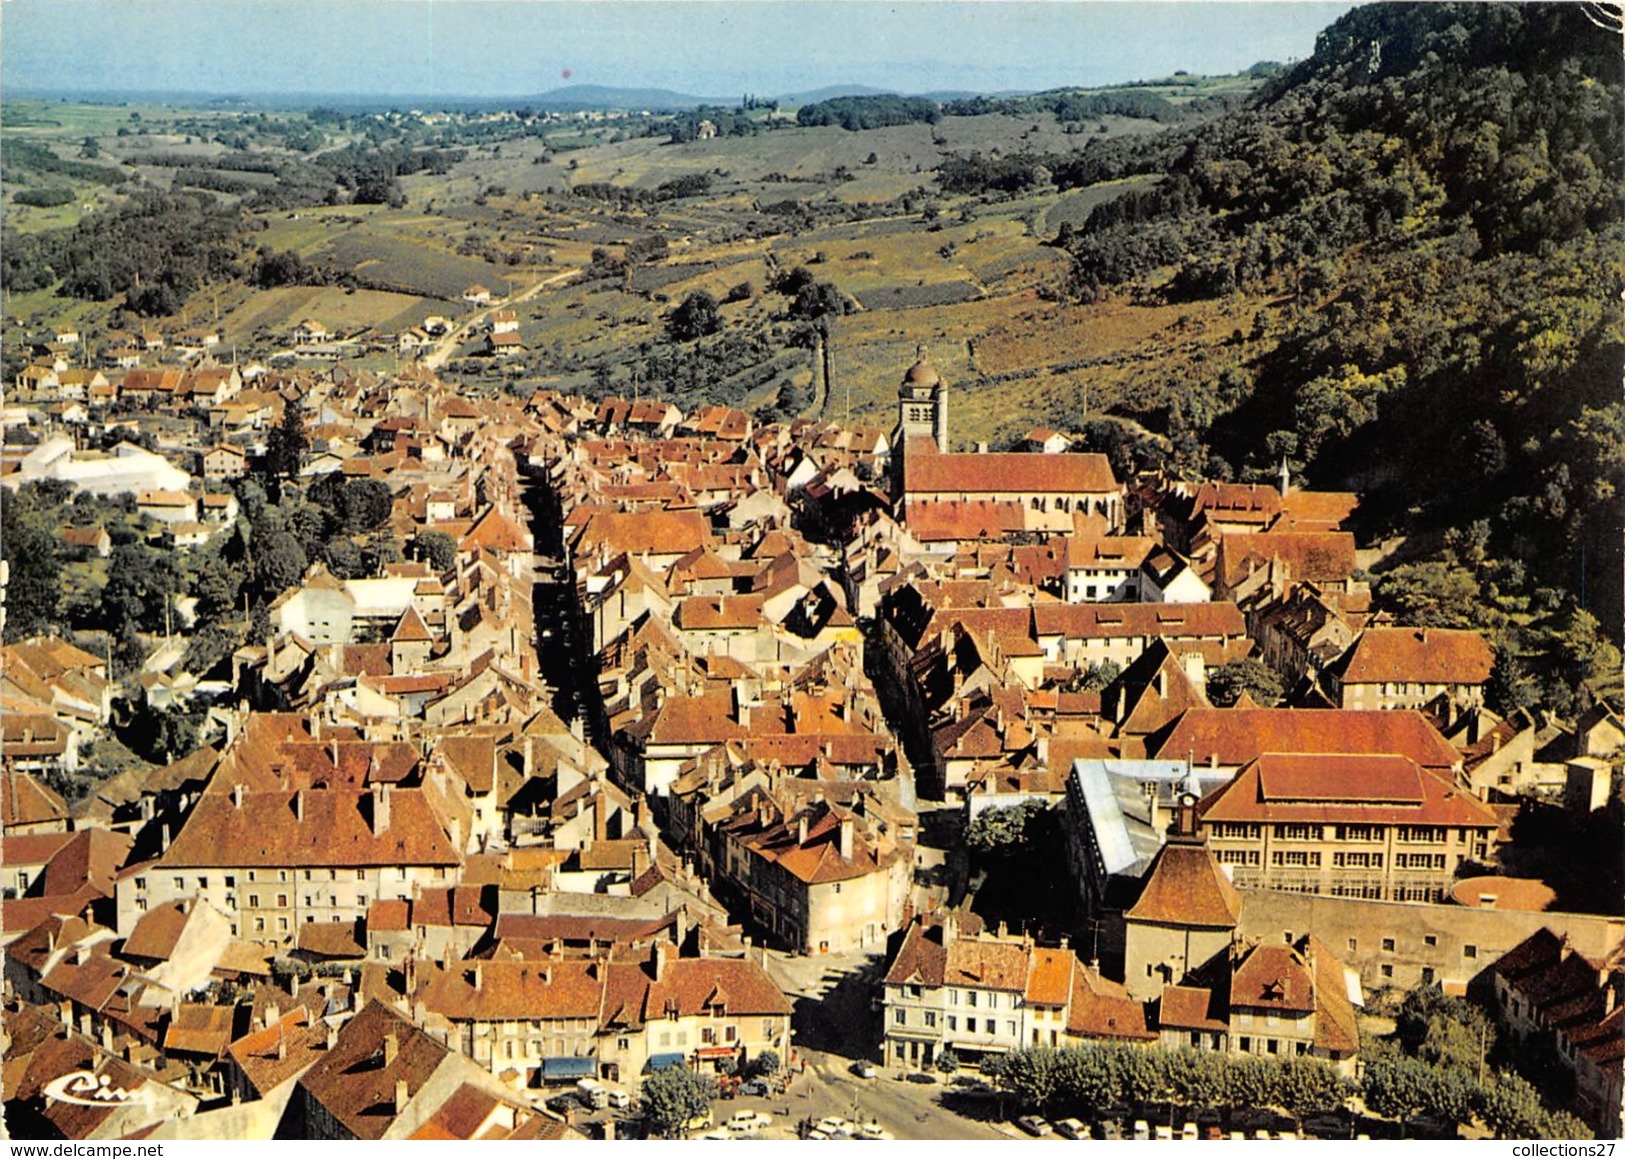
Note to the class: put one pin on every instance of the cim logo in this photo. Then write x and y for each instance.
(88, 1089)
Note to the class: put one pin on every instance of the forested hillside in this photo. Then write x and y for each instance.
(1432, 203)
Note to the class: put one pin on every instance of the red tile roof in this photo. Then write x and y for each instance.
(1192, 1008)
(271, 1056)
(1008, 473)
(1416, 655)
(1105, 621)
(1273, 976)
(1186, 887)
(941, 522)
(336, 831)
(1049, 981)
(1102, 1008)
(1234, 736)
(355, 1082)
(1351, 789)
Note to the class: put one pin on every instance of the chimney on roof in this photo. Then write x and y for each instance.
(163, 838)
(392, 1047)
(1610, 995)
(380, 809)
(237, 796)
(281, 1044)
(801, 829)
(950, 927)
(400, 1096)
(846, 838)
(600, 818)
(479, 977)
(661, 950)
(299, 805)
(332, 1038)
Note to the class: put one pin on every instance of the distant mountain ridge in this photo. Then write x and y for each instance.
(572, 98)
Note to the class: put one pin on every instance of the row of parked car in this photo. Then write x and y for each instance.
(591, 1095)
(1141, 1129)
(831, 1127)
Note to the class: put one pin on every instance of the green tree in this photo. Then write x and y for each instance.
(379, 550)
(140, 584)
(675, 1096)
(947, 1061)
(1512, 1108)
(1431, 594)
(1033, 1074)
(817, 301)
(344, 559)
(1443, 1031)
(1006, 829)
(1227, 682)
(766, 1063)
(1095, 678)
(435, 548)
(216, 586)
(29, 546)
(287, 445)
(279, 564)
(162, 734)
(696, 317)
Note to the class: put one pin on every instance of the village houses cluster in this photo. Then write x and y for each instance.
(682, 702)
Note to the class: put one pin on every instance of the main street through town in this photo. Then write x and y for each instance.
(835, 1023)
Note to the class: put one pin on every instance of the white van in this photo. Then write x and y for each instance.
(592, 1092)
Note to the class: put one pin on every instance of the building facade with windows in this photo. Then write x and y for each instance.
(1376, 826)
(977, 994)
(275, 860)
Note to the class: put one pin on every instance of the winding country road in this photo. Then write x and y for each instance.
(464, 330)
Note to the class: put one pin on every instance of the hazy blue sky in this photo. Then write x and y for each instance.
(706, 47)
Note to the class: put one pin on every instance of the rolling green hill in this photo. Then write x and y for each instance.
(1432, 202)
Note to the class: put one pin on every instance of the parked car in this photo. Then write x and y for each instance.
(1142, 1129)
(619, 1099)
(1111, 1129)
(1188, 1131)
(755, 1087)
(717, 1135)
(1035, 1126)
(874, 1131)
(742, 1122)
(836, 1128)
(1071, 1129)
(864, 1069)
(1163, 1132)
(563, 1104)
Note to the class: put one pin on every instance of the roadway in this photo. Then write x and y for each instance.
(464, 330)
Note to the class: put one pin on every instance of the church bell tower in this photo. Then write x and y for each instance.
(922, 405)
